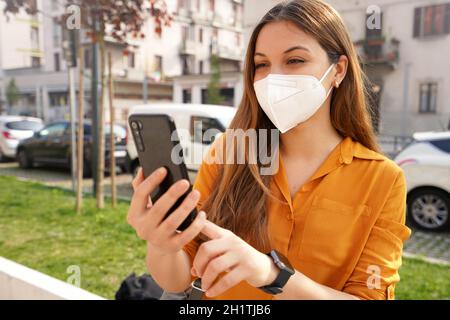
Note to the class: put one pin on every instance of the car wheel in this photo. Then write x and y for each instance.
(24, 160)
(429, 209)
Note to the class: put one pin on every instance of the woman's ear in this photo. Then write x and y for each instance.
(341, 68)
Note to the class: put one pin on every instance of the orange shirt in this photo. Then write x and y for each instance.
(344, 228)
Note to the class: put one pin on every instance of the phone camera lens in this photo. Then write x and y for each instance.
(134, 125)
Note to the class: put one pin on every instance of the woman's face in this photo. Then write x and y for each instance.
(282, 48)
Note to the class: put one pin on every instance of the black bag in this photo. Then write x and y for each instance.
(139, 288)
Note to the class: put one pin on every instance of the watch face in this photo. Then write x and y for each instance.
(282, 262)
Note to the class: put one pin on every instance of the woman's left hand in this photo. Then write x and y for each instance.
(226, 252)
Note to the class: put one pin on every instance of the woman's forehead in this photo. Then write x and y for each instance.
(276, 37)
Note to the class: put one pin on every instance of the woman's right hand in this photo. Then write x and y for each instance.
(148, 218)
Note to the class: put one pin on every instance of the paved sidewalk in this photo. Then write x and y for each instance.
(61, 178)
(429, 245)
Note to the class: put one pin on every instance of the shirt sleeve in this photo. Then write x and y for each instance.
(376, 272)
(204, 183)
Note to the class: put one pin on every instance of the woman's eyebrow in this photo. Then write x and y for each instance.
(287, 51)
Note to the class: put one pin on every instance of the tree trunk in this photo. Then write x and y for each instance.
(101, 134)
(111, 135)
(80, 140)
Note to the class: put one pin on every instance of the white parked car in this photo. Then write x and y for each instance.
(426, 163)
(13, 129)
(191, 121)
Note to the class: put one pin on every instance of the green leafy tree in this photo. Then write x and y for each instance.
(12, 93)
(214, 96)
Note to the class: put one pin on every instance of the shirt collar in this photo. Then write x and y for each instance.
(342, 154)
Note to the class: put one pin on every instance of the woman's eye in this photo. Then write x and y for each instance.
(259, 65)
(295, 61)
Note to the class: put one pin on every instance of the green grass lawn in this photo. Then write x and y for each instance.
(39, 229)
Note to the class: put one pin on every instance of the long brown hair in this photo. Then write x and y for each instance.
(238, 199)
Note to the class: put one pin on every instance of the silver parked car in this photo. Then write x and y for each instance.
(14, 129)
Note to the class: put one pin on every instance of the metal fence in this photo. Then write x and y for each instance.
(392, 145)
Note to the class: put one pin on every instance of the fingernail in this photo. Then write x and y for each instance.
(161, 171)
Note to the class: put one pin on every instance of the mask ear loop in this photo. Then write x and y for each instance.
(327, 72)
(324, 76)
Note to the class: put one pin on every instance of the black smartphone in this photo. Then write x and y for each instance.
(158, 145)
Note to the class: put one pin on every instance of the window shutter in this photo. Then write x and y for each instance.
(417, 22)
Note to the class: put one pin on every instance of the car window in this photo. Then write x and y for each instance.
(442, 144)
(24, 125)
(87, 129)
(53, 130)
(226, 121)
(119, 131)
(201, 125)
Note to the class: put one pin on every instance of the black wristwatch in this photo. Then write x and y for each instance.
(286, 271)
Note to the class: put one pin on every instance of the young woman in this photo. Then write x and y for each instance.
(334, 212)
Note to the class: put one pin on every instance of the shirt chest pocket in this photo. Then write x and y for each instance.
(334, 233)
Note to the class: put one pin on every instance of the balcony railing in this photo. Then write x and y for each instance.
(228, 53)
(203, 16)
(188, 47)
(378, 51)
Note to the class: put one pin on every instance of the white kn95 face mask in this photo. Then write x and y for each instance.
(290, 99)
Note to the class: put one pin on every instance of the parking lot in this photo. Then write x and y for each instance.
(433, 246)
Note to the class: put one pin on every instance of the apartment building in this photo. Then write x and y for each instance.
(175, 66)
(21, 46)
(210, 27)
(407, 59)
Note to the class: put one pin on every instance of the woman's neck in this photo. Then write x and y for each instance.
(310, 140)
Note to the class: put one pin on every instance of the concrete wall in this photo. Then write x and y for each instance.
(18, 282)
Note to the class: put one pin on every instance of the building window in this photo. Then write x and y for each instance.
(34, 37)
(35, 62)
(188, 33)
(200, 35)
(57, 61)
(188, 65)
(187, 96)
(184, 33)
(236, 14)
(432, 20)
(158, 63)
(428, 97)
(200, 67)
(57, 34)
(212, 5)
(237, 39)
(131, 60)
(203, 129)
(58, 99)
